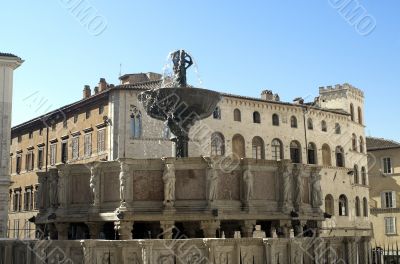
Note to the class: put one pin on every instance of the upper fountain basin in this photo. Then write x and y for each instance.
(181, 103)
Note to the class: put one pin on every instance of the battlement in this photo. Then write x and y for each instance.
(341, 88)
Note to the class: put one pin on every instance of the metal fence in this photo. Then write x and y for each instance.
(387, 254)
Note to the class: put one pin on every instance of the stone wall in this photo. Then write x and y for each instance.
(186, 251)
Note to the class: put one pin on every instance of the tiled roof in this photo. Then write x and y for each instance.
(381, 143)
(8, 55)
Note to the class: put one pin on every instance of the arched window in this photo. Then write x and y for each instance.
(343, 209)
(363, 176)
(312, 153)
(256, 117)
(258, 148)
(310, 124)
(238, 146)
(217, 113)
(293, 122)
(338, 129)
(295, 152)
(352, 112)
(339, 157)
(275, 120)
(237, 116)
(326, 155)
(365, 207)
(324, 127)
(135, 122)
(329, 205)
(361, 144)
(356, 175)
(357, 206)
(217, 144)
(360, 117)
(277, 149)
(354, 142)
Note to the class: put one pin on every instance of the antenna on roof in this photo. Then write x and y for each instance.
(120, 69)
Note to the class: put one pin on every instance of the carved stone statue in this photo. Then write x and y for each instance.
(169, 184)
(93, 183)
(286, 185)
(316, 192)
(212, 177)
(54, 190)
(124, 171)
(298, 186)
(62, 174)
(248, 179)
(181, 61)
(41, 192)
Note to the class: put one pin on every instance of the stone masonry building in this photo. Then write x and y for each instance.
(384, 164)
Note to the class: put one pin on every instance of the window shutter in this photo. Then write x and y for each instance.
(383, 203)
(393, 199)
(394, 225)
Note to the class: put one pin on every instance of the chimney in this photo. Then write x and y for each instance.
(86, 91)
(96, 90)
(298, 100)
(102, 84)
(267, 95)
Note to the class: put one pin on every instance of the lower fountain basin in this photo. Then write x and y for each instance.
(181, 103)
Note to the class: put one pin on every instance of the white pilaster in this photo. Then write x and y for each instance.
(8, 63)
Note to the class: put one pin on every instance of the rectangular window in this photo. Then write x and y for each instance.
(18, 164)
(17, 201)
(75, 148)
(16, 228)
(387, 165)
(53, 154)
(388, 199)
(40, 158)
(64, 151)
(27, 229)
(390, 225)
(88, 145)
(29, 161)
(101, 142)
(28, 201)
(36, 198)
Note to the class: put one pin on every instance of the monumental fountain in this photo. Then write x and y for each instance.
(179, 104)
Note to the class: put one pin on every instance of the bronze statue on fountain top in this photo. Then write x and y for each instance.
(182, 61)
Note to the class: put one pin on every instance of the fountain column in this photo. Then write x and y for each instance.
(8, 63)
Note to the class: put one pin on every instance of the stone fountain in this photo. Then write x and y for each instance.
(179, 105)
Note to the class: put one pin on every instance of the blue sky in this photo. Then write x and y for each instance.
(241, 47)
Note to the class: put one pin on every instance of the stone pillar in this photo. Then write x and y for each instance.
(62, 230)
(124, 229)
(8, 63)
(94, 229)
(210, 228)
(351, 250)
(285, 225)
(52, 231)
(167, 227)
(248, 228)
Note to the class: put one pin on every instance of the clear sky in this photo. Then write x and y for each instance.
(241, 47)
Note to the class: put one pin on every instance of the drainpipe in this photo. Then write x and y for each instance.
(47, 146)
